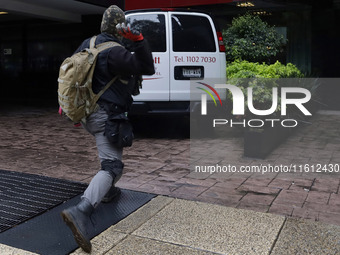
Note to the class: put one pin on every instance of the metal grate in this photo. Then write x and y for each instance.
(23, 196)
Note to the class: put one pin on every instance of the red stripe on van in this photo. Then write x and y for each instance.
(152, 78)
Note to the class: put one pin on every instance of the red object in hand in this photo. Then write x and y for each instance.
(127, 33)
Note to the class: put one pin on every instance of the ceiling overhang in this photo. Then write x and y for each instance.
(58, 10)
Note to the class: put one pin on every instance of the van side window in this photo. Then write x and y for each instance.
(152, 27)
(192, 34)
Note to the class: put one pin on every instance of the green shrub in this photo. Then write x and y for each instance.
(250, 38)
(262, 78)
(245, 69)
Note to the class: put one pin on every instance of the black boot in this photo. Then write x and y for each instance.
(111, 194)
(77, 219)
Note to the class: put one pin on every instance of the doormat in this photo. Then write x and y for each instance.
(23, 196)
(48, 234)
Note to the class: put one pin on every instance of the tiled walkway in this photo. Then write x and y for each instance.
(162, 167)
(175, 226)
(41, 142)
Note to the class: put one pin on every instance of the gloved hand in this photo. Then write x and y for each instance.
(127, 33)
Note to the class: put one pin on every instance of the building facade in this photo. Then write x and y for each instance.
(33, 46)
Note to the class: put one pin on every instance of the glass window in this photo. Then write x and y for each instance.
(192, 34)
(152, 27)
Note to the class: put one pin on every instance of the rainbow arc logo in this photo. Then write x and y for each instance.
(209, 93)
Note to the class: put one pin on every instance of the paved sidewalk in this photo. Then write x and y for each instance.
(174, 226)
(162, 167)
(286, 214)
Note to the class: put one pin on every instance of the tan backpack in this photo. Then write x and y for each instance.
(75, 95)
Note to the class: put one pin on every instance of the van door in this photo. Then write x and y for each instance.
(194, 53)
(153, 27)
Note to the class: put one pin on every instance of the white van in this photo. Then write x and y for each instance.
(185, 45)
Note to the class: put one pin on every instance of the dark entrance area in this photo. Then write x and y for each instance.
(32, 51)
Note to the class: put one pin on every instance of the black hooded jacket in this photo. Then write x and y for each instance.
(119, 61)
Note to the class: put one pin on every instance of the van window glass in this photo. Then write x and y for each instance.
(192, 34)
(152, 26)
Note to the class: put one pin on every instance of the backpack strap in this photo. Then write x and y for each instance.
(93, 41)
(101, 47)
(100, 93)
(106, 45)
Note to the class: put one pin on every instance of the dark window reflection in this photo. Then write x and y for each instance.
(152, 27)
(192, 34)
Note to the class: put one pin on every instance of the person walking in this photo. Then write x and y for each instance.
(113, 105)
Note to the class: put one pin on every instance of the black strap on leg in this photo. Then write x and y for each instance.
(113, 167)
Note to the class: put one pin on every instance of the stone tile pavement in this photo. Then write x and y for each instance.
(40, 142)
(174, 226)
(285, 213)
(163, 168)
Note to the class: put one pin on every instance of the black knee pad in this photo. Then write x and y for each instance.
(114, 168)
